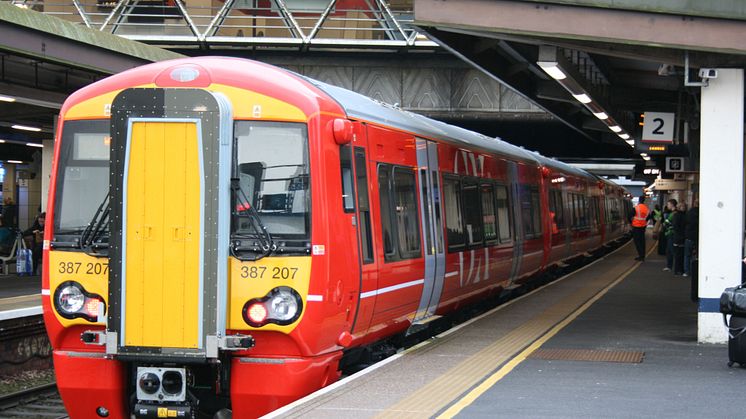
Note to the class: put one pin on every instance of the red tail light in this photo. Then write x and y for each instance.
(257, 313)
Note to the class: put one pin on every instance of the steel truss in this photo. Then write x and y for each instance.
(304, 24)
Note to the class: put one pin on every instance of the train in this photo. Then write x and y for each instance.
(223, 234)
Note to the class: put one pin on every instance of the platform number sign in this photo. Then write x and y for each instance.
(658, 127)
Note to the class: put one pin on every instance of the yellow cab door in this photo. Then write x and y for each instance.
(163, 205)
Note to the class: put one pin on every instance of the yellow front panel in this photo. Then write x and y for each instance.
(89, 271)
(162, 256)
(249, 280)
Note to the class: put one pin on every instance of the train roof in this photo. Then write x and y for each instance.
(564, 167)
(361, 107)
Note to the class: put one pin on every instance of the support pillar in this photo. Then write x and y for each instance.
(46, 166)
(721, 197)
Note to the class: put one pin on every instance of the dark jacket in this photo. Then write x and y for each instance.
(10, 216)
(679, 228)
(692, 224)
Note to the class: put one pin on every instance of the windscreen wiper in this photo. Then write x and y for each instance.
(265, 239)
(96, 226)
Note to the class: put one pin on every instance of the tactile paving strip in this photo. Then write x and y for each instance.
(631, 357)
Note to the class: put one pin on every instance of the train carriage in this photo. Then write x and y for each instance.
(225, 232)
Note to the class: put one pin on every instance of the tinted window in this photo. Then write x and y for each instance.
(83, 177)
(472, 214)
(454, 220)
(488, 213)
(405, 206)
(401, 228)
(361, 175)
(272, 168)
(530, 211)
(503, 213)
(384, 188)
(348, 193)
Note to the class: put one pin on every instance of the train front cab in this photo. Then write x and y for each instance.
(145, 317)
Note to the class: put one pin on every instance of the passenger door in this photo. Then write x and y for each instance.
(365, 238)
(432, 228)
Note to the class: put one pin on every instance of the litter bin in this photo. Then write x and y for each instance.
(733, 304)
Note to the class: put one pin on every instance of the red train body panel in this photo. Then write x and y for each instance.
(384, 220)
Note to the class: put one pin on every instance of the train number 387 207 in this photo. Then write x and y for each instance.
(83, 268)
(261, 272)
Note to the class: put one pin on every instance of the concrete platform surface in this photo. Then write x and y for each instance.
(485, 369)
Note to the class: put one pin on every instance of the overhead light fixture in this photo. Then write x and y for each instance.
(631, 142)
(7, 99)
(552, 69)
(2, 141)
(14, 161)
(582, 98)
(25, 128)
(35, 145)
(601, 115)
(556, 66)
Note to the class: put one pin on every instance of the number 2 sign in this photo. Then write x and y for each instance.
(658, 127)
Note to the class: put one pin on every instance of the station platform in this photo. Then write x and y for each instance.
(617, 338)
(20, 296)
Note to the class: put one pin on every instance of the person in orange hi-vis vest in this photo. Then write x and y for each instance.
(639, 223)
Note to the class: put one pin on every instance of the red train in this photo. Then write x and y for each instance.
(224, 232)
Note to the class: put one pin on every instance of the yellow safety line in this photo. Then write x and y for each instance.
(508, 367)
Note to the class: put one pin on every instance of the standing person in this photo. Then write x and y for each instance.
(36, 231)
(639, 222)
(679, 234)
(10, 213)
(668, 233)
(656, 216)
(662, 231)
(691, 236)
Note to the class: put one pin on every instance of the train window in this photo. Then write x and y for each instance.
(488, 214)
(436, 201)
(595, 214)
(273, 171)
(530, 211)
(348, 192)
(536, 211)
(454, 220)
(83, 178)
(555, 206)
(426, 212)
(407, 220)
(503, 213)
(472, 214)
(399, 220)
(384, 188)
(575, 211)
(361, 175)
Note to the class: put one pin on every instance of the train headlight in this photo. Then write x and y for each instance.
(72, 301)
(281, 306)
(173, 382)
(149, 383)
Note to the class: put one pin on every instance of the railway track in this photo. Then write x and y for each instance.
(36, 402)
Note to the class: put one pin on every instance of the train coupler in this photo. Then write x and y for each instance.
(237, 342)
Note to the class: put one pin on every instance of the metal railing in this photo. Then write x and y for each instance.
(268, 23)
